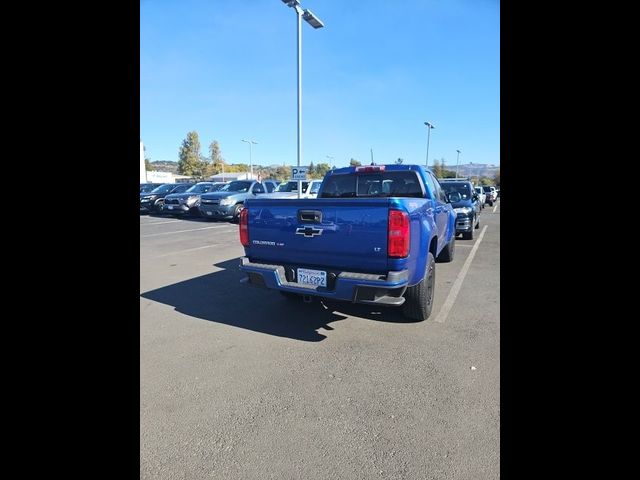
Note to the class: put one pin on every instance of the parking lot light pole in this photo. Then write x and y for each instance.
(457, 162)
(429, 127)
(250, 142)
(315, 22)
(330, 160)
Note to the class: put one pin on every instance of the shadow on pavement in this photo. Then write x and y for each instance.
(219, 297)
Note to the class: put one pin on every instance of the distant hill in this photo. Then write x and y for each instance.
(485, 170)
(165, 166)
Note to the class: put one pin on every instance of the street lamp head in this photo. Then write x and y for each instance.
(312, 20)
(430, 125)
(291, 3)
(458, 151)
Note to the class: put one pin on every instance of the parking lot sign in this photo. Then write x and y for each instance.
(298, 173)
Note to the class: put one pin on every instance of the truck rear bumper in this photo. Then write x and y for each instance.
(347, 286)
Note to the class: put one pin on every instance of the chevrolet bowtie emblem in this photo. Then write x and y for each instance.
(308, 231)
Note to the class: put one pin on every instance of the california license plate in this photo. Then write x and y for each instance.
(170, 207)
(316, 278)
(208, 213)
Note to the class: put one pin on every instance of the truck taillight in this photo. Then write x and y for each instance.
(370, 168)
(244, 227)
(399, 234)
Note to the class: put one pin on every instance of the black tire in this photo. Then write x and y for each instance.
(157, 208)
(419, 298)
(468, 235)
(477, 224)
(236, 212)
(446, 255)
(491, 204)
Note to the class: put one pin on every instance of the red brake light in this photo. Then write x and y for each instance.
(244, 227)
(398, 234)
(370, 168)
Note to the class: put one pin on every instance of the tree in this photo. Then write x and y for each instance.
(190, 162)
(217, 162)
(354, 163)
(312, 170)
(147, 160)
(283, 173)
(437, 169)
(496, 178)
(322, 169)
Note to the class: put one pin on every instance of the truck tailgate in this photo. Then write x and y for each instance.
(345, 234)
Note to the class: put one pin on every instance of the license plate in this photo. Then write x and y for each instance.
(170, 207)
(312, 277)
(208, 213)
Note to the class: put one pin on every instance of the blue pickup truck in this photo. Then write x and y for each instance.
(372, 236)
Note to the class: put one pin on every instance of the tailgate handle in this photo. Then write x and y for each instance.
(310, 216)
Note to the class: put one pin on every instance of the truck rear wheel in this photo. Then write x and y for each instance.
(446, 255)
(419, 298)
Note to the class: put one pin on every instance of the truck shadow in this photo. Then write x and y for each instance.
(219, 297)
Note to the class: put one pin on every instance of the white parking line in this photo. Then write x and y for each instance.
(494, 208)
(160, 223)
(184, 251)
(448, 303)
(182, 231)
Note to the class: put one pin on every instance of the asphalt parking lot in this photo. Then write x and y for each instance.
(241, 383)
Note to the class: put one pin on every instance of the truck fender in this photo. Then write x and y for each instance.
(427, 237)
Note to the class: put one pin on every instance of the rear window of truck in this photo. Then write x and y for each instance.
(376, 184)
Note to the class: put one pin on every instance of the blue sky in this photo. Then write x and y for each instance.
(370, 79)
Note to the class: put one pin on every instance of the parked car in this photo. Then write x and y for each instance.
(372, 236)
(227, 202)
(153, 200)
(466, 204)
(491, 193)
(314, 188)
(187, 201)
(147, 187)
(217, 186)
(482, 197)
(290, 190)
